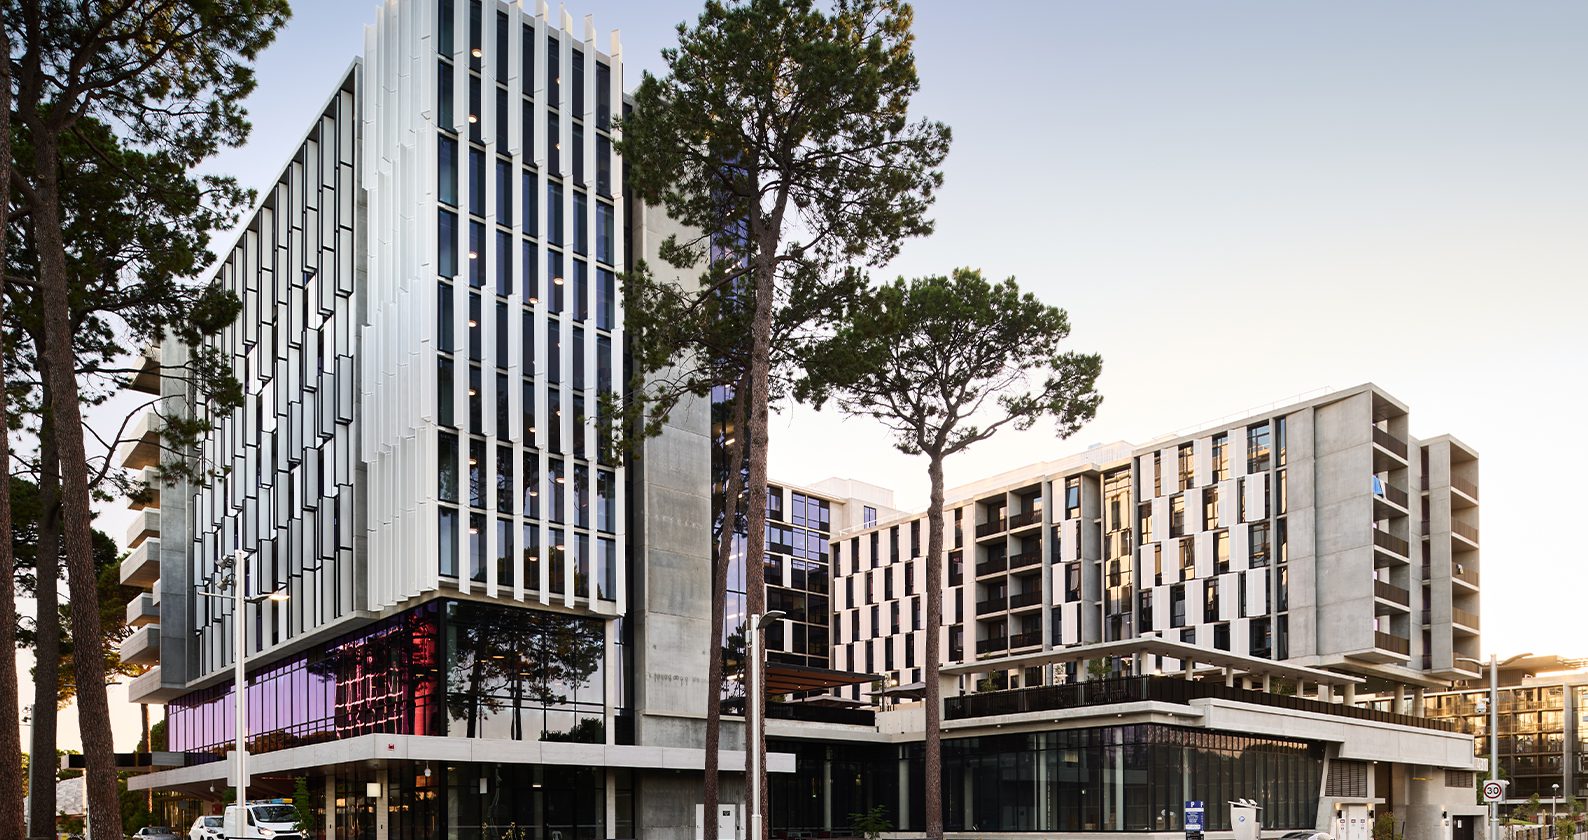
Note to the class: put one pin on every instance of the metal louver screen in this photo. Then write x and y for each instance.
(1346, 779)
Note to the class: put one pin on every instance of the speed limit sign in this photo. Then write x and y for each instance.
(1493, 790)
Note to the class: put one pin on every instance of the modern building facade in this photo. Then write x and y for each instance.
(1543, 731)
(430, 313)
(1318, 534)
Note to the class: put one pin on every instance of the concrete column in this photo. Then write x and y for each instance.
(330, 804)
(827, 791)
(1400, 699)
(1229, 677)
(611, 789)
(1350, 693)
(1301, 688)
(1417, 701)
(1268, 682)
(1189, 666)
(382, 805)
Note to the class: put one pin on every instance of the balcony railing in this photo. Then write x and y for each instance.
(1022, 640)
(1389, 642)
(1464, 618)
(1023, 520)
(820, 714)
(990, 528)
(1391, 592)
(1025, 599)
(991, 565)
(1031, 557)
(1463, 529)
(1396, 495)
(991, 606)
(1388, 441)
(992, 645)
(1160, 689)
(1468, 487)
(1463, 572)
(1392, 543)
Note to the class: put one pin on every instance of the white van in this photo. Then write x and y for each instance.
(266, 821)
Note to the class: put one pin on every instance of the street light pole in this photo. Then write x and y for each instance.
(1494, 729)
(238, 581)
(1553, 802)
(755, 712)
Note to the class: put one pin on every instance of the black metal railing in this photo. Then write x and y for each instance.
(820, 714)
(1031, 557)
(1392, 543)
(1396, 495)
(1161, 689)
(1025, 599)
(1390, 642)
(992, 565)
(989, 528)
(1390, 442)
(1028, 639)
(1391, 592)
(992, 645)
(1022, 520)
(991, 605)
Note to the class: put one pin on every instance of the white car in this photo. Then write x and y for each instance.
(266, 821)
(205, 828)
(154, 832)
(1304, 835)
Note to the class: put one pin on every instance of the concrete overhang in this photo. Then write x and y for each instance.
(1153, 645)
(373, 748)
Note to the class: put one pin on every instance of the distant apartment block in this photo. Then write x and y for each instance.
(1320, 534)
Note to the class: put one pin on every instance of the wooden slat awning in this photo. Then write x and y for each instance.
(793, 679)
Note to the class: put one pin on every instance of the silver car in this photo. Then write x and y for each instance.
(154, 832)
(205, 828)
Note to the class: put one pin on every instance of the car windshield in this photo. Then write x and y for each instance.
(274, 813)
(212, 822)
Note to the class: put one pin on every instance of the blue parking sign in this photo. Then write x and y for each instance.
(1193, 816)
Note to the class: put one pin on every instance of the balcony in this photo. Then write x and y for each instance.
(144, 525)
(1030, 557)
(1465, 531)
(1464, 573)
(1389, 443)
(149, 496)
(141, 569)
(1025, 599)
(1025, 520)
(1158, 689)
(1032, 638)
(1392, 643)
(1389, 500)
(987, 529)
(991, 606)
(142, 647)
(1389, 592)
(1389, 549)
(1465, 488)
(992, 565)
(143, 610)
(147, 379)
(994, 645)
(1464, 620)
(140, 443)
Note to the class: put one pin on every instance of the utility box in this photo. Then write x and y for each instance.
(1246, 819)
(728, 825)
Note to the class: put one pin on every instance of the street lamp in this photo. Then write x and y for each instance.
(1494, 729)
(1555, 800)
(755, 714)
(236, 578)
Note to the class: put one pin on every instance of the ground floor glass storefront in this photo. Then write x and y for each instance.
(1117, 778)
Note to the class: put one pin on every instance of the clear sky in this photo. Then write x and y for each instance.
(1237, 202)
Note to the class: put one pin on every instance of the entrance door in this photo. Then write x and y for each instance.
(1463, 828)
(1353, 823)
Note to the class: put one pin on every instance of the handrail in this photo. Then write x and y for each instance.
(1390, 442)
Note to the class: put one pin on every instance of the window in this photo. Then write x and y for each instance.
(606, 291)
(1177, 605)
(1221, 636)
(1257, 452)
(1257, 545)
(444, 27)
(444, 316)
(1177, 516)
(446, 243)
(1187, 467)
(447, 480)
(1221, 552)
(447, 171)
(447, 547)
(1279, 442)
(445, 119)
(476, 254)
(603, 96)
(1072, 497)
(1188, 562)
(868, 516)
(1210, 597)
(1221, 457)
(504, 192)
(1210, 508)
(554, 213)
(605, 232)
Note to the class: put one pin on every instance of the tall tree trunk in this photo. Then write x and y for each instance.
(47, 626)
(932, 801)
(732, 489)
(755, 525)
(99, 749)
(11, 819)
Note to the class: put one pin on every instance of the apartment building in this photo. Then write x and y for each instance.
(1318, 533)
(488, 618)
(1543, 724)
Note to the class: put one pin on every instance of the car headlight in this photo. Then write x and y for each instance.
(265, 832)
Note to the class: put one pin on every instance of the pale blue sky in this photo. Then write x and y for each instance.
(1237, 202)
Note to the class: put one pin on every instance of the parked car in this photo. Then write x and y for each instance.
(267, 821)
(1305, 835)
(154, 832)
(205, 828)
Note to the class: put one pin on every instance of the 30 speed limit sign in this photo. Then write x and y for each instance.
(1493, 791)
